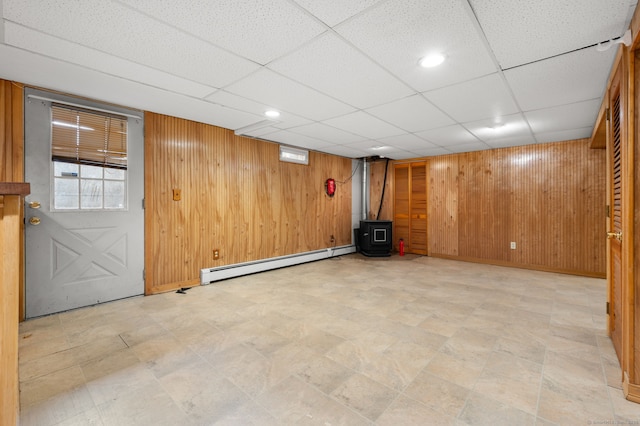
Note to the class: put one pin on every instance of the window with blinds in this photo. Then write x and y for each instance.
(89, 155)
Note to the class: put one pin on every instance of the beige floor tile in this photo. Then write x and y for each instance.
(291, 400)
(440, 395)
(365, 396)
(149, 405)
(481, 410)
(405, 411)
(324, 373)
(412, 340)
(461, 372)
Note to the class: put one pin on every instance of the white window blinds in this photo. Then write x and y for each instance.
(88, 137)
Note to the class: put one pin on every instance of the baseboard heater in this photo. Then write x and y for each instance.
(210, 275)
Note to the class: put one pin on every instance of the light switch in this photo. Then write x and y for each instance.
(177, 194)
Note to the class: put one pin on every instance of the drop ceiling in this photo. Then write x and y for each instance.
(344, 75)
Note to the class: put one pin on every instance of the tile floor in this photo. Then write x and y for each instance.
(344, 341)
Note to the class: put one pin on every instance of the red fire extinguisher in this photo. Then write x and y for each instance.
(401, 247)
(330, 187)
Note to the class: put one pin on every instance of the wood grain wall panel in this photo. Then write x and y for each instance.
(237, 197)
(376, 181)
(443, 204)
(11, 132)
(549, 199)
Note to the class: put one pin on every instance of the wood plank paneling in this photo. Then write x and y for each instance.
(549, 199)
(12, 241)
(237, 197)
(376, 180)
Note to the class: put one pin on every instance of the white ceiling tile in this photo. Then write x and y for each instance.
(284, 121)
(511, 126)
(327, 133)
(572, 116)
(447, 136)
(469, 147)
(345, 151)
(35, 70)
(564, 135)
(431, 152)
(331, 66)
(294, 139)
(510, 25)
(261, 30)
(113, 28)
(483, 97)
(35, 41)
(397, 154)
(270, 88)
(332, 12)
(262, 132)
(412, 114)
(406, 142)
(398, 33)
(363, 124)
(574, 77)
(512, 141)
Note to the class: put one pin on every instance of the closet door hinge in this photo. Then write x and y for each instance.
(607, 308)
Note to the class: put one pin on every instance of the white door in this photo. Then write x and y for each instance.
(79, 256)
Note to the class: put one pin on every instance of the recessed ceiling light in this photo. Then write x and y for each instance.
(376, 147)
(432, 60)
(272, 113)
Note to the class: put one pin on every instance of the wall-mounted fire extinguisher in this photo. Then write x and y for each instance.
(330, 187)
(401, 247)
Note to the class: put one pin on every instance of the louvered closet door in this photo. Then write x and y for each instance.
(410, 206)
(615, 141)
(418, 205)
(401, 211)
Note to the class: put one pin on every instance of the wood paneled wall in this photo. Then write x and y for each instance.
(376, 185)
(11, 132)
(237, 197)
(12, 241)
(549, 199)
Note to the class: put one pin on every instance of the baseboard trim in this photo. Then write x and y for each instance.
(210, 275)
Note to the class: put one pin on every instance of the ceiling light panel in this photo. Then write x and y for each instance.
(509, 25)
(418, 28)
(413, 114)
(561, 80)
(476, 99)
(331, 66)
(257, 30)
(332, 12)
(365, 125)
(270, 88)
(113, 28)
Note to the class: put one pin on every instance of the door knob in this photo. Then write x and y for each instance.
(34, 220)
(34, 205)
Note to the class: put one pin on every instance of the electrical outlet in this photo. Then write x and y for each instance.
(513, 245)
(216, 254)
(177, 194)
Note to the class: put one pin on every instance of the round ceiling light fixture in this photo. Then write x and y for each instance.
(432, 60)
(272, 113)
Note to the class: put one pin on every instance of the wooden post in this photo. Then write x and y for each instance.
(10, 220)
